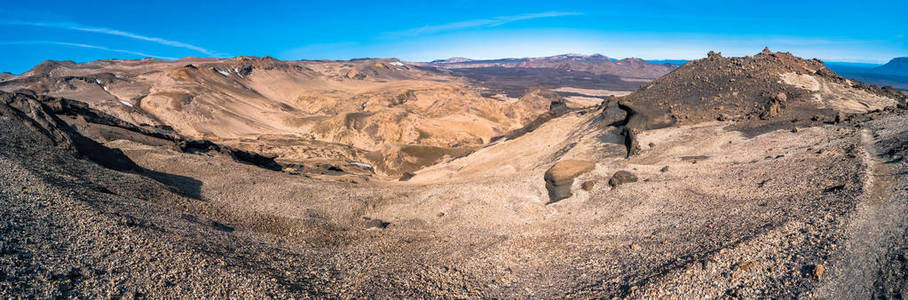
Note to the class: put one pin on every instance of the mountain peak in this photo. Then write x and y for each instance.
(49, 65)
(897, 66)
(451, 60)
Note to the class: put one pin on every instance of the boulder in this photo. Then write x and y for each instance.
(621, 177)
(818, 270)
(558, 107)
(406, 176)
(588, 186)
(840, 117)
(560, 177)
(375, 223)
(780, 97)
(774, 106)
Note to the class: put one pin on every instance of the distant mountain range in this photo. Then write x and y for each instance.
(894, 73)
(897, 66)
(597, 64)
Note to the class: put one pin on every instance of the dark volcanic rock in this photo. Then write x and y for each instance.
(645, 116)
(557, 108)
(41, 118)
(560, 177)
(621, 177)
(611, 114)
(630, 141)
(741, 88)
(221, 226)
(588, 185)
(375, 223)
(774, 106)
(637, 118)
(205, 146)
(840, 117)
(42, 113)
(406, 176)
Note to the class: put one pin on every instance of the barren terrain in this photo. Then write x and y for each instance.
(756, 177)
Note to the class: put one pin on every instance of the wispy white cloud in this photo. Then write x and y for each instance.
(489, 22)
(84, 46)
(115, 32)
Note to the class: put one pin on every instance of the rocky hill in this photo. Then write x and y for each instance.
(775, 87)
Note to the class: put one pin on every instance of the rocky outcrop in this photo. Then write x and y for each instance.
(637, 118)
(204, 146)
(644, 117)
(41, 113)
(774, 106)
(557, 108)
(631, 142)
(41, 119)
(560, 177)
(29, 111)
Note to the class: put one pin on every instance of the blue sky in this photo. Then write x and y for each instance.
(852, 31)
